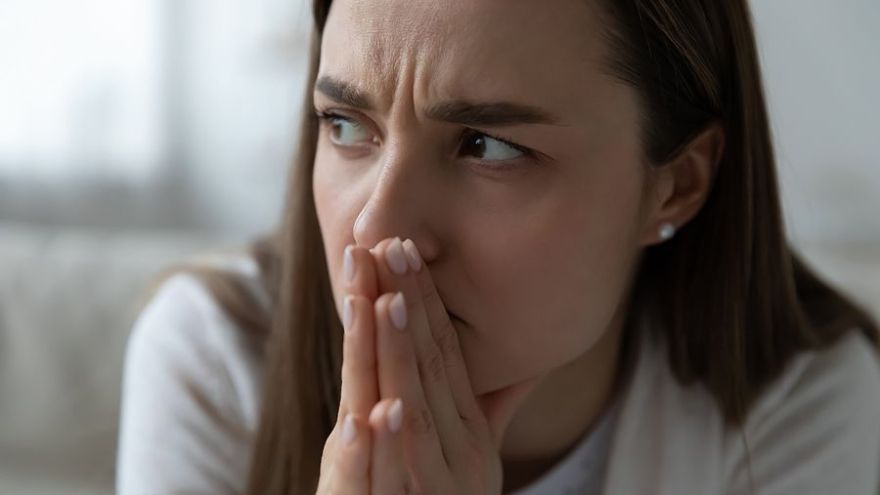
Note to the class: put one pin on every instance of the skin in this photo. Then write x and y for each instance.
(532, 253)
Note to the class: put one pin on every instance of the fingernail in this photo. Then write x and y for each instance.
(348, 264)
(395, 257)
(347, 313)
(397, 310)
(412, 253)
(375, 413)
(395, 415)
(348, 430)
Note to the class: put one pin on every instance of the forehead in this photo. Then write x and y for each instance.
(548, 51)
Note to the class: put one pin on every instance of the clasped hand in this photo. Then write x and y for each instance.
(408, 419)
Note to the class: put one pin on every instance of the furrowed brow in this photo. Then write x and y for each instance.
(494, 114)
(490, 114)
(343, 92)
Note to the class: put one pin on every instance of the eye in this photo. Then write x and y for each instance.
(345, 131)
(491, 149)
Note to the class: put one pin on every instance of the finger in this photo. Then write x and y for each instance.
(399, 377)
(360, 389)
(445, 336)
(490, 413)
(351, 462)
(359, 272)
(394, 270)
(388, 471)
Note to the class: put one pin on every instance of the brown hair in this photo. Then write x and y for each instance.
(729, 295)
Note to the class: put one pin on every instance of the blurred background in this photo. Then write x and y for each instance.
(135, 133)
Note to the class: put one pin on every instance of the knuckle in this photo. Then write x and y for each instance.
(434, 366)
(447, 339)
(430, 297)
(419, 421)
(412, 303)
(471, 422)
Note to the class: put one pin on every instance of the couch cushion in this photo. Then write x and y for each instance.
(67, 302)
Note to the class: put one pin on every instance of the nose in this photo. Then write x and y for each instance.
(393, 204)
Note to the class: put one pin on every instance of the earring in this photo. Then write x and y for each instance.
(667, 230)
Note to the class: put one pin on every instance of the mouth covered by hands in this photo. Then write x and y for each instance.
(408, 419)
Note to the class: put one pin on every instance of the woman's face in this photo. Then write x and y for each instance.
(486, 133)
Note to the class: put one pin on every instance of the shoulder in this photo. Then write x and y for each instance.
(814, 430)
(847, 370)
(827, 381)
(184, 327)
(191, 389)
(817, 427)
(182, 296)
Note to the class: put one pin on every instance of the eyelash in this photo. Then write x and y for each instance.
(327, 117)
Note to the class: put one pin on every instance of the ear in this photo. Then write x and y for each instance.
(676, 190)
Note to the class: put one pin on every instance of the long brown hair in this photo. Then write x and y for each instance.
(729, 295)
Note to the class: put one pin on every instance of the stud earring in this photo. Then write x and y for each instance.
(667, 230)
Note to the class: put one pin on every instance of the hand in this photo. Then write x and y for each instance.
(425, 431)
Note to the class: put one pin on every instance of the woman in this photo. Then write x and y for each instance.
(571, 210)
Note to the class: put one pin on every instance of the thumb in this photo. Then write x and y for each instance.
(499, 406)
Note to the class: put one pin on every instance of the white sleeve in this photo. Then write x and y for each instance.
(178, 432)
(819, 431)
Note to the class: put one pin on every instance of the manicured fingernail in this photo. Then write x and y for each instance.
(412, 253)
(395, 415)
(348, 264)
(347, 313)
(395, 257)
(348, 430)
(375, 413)
(397, 310)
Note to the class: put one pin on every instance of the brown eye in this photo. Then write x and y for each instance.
(490, 149)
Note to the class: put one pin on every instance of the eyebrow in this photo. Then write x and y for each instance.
(500, 113)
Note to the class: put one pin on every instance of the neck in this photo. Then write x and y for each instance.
(553, 418)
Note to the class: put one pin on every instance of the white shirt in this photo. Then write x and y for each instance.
(192, 386)
(582, 470)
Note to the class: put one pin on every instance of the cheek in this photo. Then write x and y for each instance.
(325, 188)
(551, 279)
(561, 301)
(336, 213)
